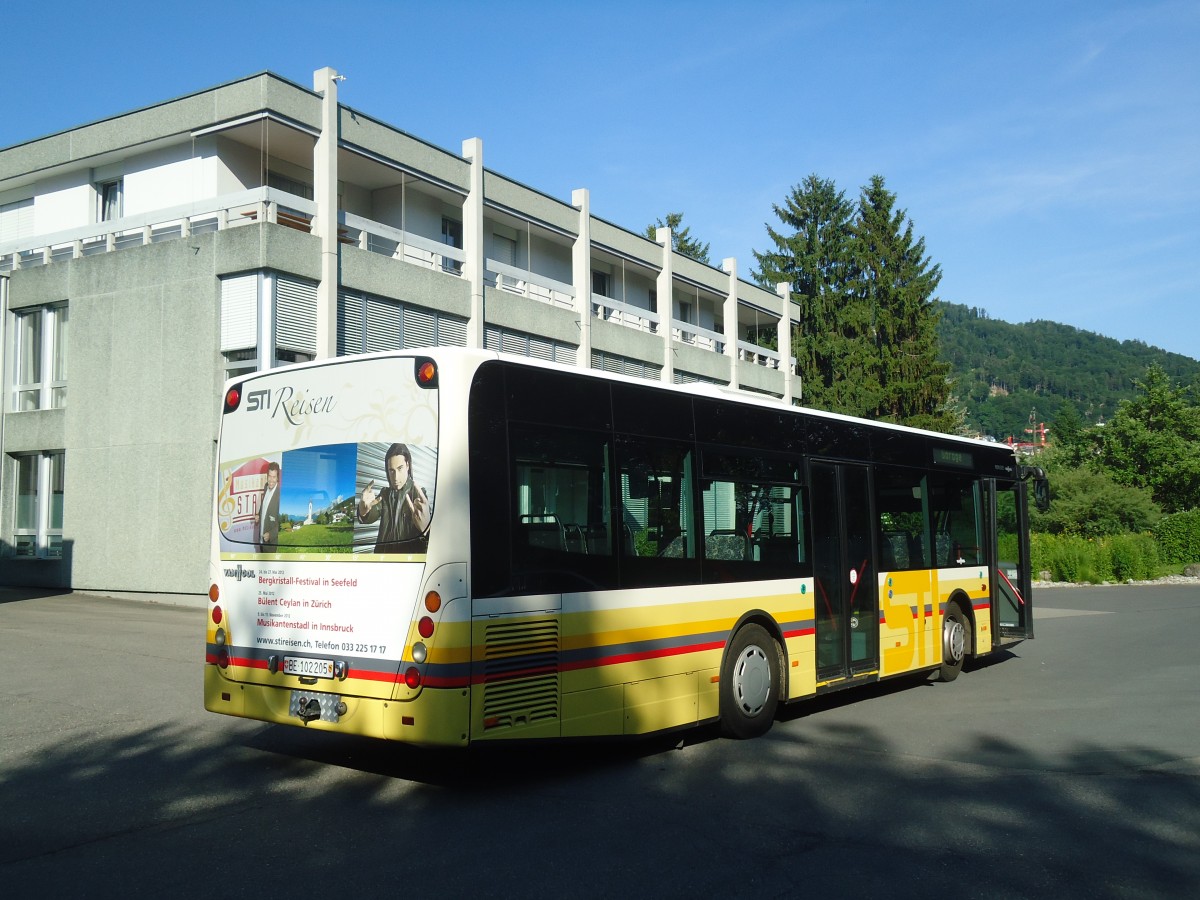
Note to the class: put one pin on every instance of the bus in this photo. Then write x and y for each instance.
(450, 546)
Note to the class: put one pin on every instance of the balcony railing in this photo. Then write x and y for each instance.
(619, 313)
(530, 284)
(761, 356)
(376, 237)
(278, 207)
(215, 214)
(703, 338)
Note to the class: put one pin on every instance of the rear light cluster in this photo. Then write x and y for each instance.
(218, 616)
(425, 628)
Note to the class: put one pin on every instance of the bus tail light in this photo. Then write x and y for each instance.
(433, 601)
(425, 627)
(427, 373)
(217, 615)
(233, 398)
(214, 593)
(412, 677)
(420, 652)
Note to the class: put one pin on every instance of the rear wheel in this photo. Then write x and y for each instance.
(954, 642)
(749, 683)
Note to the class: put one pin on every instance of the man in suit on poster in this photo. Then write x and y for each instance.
(268, 511)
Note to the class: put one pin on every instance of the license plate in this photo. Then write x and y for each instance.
(313, 668)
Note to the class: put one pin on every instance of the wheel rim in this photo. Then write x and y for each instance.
(954, 639)
(752, 680)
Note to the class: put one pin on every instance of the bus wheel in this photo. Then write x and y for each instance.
(749, 683)
(954, 642)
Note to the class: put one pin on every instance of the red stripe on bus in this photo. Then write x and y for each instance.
(638, 657)
(800, 632)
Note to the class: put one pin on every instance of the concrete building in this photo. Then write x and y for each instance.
(147, 257)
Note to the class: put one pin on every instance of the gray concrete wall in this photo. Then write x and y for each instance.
(143, 390)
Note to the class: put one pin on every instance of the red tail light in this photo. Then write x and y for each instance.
(412, 677)
(427, 373)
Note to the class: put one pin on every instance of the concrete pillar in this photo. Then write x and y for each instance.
(472, 150)
(325, 224)
(729, 313)
(581, 275)
(784, 339)
(664, 307)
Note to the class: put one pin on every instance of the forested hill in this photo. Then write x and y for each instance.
(1002, 371)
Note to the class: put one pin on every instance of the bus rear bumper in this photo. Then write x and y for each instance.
(434, 717)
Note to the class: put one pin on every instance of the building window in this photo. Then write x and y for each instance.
(40, 358)
(295, 320)
(16, 220)
(504, 250)
(601, 283)
(289, 185)
(452, 236)
(686, 314)
(240, 324)
(38, 525)
(110, 200)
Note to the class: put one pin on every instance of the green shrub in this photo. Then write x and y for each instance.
(1177, 537)
(1123, 557)
(1134, 557)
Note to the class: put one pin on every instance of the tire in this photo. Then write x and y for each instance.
(750, 683)
(954, 642)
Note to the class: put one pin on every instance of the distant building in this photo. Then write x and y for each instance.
(147, 257)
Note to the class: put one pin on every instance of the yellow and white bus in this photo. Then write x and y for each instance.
(451, 546)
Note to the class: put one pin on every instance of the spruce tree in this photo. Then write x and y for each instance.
(895, 283)
(812, 254)
(681, 238)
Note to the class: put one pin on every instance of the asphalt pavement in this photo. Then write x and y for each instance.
(1067, 766)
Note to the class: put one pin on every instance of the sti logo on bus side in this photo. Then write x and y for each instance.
(294, 407)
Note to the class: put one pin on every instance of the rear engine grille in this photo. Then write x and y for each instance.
(520, 673)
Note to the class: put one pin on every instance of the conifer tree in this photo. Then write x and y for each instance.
(681, 238)
(812, 254)
(895, 284)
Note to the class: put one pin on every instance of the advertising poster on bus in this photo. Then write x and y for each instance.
(325, 498)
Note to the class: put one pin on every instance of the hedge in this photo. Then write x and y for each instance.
(1178, 537)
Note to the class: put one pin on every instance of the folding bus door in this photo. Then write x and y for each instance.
(1011, 591)
(847, 603)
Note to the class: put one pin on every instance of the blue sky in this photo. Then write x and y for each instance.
(1049, 152)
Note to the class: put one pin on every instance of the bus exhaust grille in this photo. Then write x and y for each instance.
(520, 673)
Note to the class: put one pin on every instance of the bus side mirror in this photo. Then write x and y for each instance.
(1041, 486)
(1041, 494)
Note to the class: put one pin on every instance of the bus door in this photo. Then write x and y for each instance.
(1011, 591)
(845, 580)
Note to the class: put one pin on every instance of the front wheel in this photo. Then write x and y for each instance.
(749, 683)
(954, 643)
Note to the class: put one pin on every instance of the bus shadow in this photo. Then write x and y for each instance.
(476, 767)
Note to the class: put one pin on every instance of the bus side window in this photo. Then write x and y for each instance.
(657, 513)
(958, 523)
(559, 509)
(753, 523)
(900, 505)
